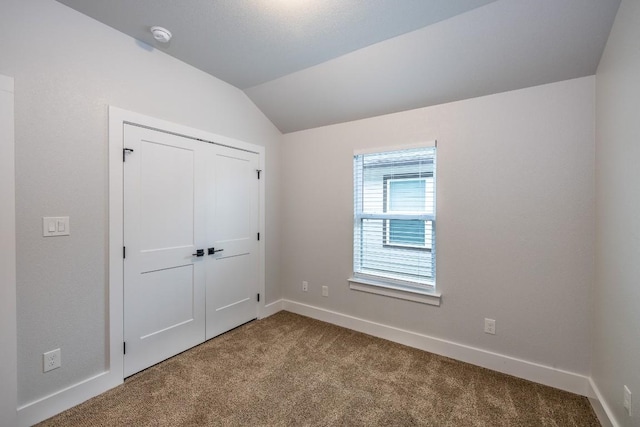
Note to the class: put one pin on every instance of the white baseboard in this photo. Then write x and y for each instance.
(271, 309)
(600, 407)
(568, 381)
(64, 399)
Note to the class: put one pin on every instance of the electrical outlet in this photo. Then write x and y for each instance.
(51, 360)
(305, 286)
(325, 291)
(490, 326)
(627, 400)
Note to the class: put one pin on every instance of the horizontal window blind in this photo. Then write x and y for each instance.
(394, 216)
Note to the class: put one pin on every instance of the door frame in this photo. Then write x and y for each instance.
(8, 330)
(117, 119)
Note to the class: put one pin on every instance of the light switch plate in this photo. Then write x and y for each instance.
(55, 226)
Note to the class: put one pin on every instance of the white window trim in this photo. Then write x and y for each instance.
(373, 150)
(388, 289)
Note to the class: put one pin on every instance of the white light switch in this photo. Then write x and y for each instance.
(55, 226)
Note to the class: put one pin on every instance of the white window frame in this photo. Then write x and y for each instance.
(397, 288)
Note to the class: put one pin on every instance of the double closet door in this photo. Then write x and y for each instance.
(191, 250)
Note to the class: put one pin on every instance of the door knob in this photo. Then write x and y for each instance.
(212, 251)
(199, 252)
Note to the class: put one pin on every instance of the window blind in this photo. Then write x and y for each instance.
(394, 216)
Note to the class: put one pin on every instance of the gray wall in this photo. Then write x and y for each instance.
(515, 196)
(68, 68)
(616, 346)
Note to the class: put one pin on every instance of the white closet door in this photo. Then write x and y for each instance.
(164, 225)
(232, 228)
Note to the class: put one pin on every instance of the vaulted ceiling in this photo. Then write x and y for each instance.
(309, 63)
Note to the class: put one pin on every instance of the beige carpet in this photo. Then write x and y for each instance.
(289, 370)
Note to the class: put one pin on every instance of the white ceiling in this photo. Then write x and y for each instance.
(309, 63)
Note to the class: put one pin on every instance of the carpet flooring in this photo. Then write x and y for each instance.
(290, 370)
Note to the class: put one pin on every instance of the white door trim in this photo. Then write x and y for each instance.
(8, 333)
(117, 119)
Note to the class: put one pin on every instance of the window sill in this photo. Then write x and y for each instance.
(394, 291)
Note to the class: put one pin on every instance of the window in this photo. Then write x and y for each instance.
(394, 218)
(408, 193)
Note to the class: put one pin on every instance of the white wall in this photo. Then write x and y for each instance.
(68, 68)
(616, 347)
(515, 200)
(8, 351)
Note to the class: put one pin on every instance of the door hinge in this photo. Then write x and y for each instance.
(124, 347)
(258, 236)
(124, 153)
(258, 297)
(124, 252)
(258, 170)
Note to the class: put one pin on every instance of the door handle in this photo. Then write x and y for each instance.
(199, 252)
(212, 251)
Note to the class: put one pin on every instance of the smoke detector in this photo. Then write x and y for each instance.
(161, 34)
